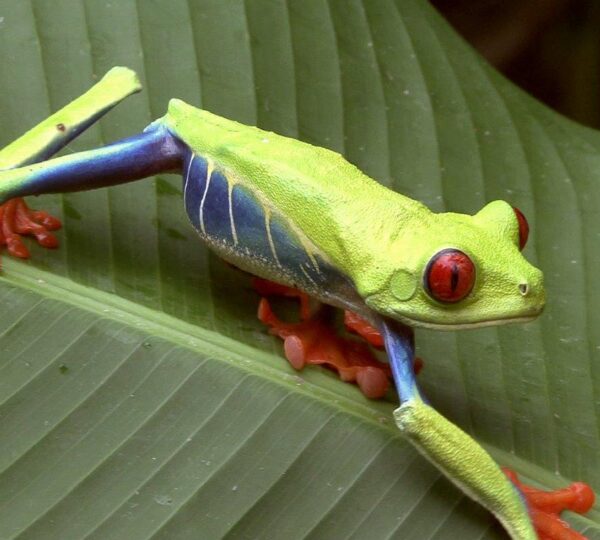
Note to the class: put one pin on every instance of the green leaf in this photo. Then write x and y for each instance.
(139, 395)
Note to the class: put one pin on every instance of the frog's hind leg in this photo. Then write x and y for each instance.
(42, 142)
(46, 138)
(314, 340)
(151, 152)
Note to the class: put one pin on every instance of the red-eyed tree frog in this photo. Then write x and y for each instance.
(304, 217)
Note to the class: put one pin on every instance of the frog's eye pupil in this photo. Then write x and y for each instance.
(449, 276)
(523, 228)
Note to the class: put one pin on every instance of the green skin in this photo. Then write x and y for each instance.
(352, 228)
(381, 240)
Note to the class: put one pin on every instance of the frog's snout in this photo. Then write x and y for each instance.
(532, 291)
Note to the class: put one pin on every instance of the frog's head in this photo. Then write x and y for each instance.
(457, 271)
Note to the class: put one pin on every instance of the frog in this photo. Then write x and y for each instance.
(305, 218)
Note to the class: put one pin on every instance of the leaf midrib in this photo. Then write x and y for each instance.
(201, 340)
(271, 367)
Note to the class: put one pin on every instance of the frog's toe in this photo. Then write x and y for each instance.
(545, 507)
(37, 224)
(8, 236)
(295, 351)
(298, 337)
(44, 218)
(17, 220)
(373, 382)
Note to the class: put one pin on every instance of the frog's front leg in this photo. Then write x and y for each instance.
(449, 448)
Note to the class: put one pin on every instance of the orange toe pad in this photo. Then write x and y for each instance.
(545, 507)
(17, 220)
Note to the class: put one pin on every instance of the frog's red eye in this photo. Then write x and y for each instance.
(523, 228)
(449, 276)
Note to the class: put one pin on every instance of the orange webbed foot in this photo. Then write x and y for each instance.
(314, 341)
(17, 220)
(545, 507)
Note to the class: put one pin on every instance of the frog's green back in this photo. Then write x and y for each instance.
(337, 206)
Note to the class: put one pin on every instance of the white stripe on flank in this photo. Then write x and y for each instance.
(267, 226)
(313, 259)
(307, 249)
(229, 193)
(209, 171)
(307, 276)
(187, 177)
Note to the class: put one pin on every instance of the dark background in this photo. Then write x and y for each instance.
(551, 48)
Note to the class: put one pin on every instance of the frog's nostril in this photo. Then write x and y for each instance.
(523, 289)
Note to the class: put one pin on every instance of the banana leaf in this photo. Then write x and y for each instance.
(139, 395)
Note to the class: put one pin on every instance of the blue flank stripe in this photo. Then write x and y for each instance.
(249, 217)
(290, 252)
(194, 181)
(216, 208)
(250, 226)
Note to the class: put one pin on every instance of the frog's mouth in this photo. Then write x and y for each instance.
(471, 325)
(418, 323)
